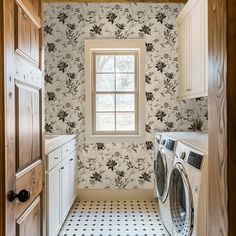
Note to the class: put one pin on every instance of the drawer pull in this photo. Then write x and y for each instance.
(62, 168)
(56, 158)
(71, 159)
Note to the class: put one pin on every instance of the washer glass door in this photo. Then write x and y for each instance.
(160, 169)
(181, 202)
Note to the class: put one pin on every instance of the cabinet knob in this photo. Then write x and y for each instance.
(23, 195)
(62, 168)
(71, 159)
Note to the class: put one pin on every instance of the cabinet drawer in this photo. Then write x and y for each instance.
(54, 158)
(66, 150)
(73, 145)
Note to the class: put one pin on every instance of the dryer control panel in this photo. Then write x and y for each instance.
(195, 160)
(170, 144)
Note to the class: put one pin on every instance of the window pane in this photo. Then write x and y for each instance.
(105, 122)
(125, 121)
(125, 82)
(105, 102)
(105, 82)
(105, 63)
(125, 63)
(125, 102)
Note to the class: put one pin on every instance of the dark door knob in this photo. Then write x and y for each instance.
(23, 195)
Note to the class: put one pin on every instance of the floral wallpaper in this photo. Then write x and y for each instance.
(114, 165)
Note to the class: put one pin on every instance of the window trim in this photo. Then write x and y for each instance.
(105, 46)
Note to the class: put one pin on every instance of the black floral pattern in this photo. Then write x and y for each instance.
(62, 66)
(160, 17)
(51, 96)
(111, 17)
(100, 146)
(149, 47)
(51, 47)
(62, 17)
(111, 164)
(160, 115)
(96, 177)
(145, 177)
(96, 30)
(145, 29)
(114, 165)
(160, 66)
(62, 115)
(48, 29)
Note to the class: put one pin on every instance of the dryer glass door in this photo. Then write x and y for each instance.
(160, 169)
(181, 203)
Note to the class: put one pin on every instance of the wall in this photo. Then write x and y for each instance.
(114, 165)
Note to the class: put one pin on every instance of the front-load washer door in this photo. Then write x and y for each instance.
(181, 202)
(161, 178)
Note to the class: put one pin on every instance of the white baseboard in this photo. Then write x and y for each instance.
(115, 194)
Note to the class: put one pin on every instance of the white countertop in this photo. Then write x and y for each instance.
(52, 142)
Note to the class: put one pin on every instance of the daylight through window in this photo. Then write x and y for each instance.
(115, 92)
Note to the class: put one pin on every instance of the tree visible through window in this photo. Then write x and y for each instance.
(115, 92)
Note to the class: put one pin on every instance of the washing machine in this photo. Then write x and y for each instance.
(188, 187)
(163, 164)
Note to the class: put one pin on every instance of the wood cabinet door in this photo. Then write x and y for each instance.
(24, 117)
(54, 185)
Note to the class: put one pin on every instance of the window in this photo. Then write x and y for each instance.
(114, 90)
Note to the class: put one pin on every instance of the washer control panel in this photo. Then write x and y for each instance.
(170, 144)
(195, 160)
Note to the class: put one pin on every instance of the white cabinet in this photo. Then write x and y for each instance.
(53, 212)
(72, 178)
(61, 185)
(64, 192)
(192, 50)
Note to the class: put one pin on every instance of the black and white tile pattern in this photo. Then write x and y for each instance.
(114, 218)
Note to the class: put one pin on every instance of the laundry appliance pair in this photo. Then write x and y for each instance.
(180, 181)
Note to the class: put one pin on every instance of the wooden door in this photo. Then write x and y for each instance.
(23, 79)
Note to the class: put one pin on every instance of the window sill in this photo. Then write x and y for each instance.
(115, 138)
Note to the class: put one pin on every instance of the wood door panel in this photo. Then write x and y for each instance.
(35, 5)
(30, 75)
(28, 125)
(30, 222)
(31, 180)
(27, 35)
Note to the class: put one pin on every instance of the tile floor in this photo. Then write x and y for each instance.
(114, 218)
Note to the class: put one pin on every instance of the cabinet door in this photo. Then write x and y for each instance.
(54, 221)
(184, 57)
(65, 204)
(72, 178)
(197, 55)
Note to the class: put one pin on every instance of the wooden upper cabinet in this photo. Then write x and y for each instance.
(26, 35)
(192, 50)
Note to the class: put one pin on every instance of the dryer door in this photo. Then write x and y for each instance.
(160, 172)
(181, 202)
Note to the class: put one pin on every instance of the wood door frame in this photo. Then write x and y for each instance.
(222, 114)
(2, 125)
(222, 205)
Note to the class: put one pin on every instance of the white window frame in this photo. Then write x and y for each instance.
(115, 46)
